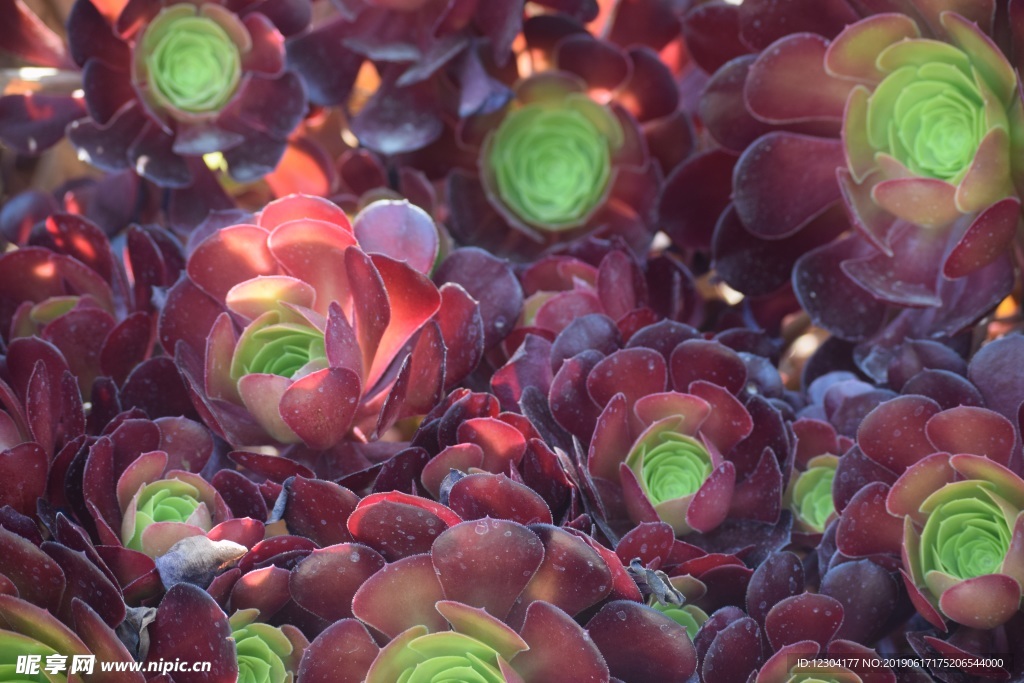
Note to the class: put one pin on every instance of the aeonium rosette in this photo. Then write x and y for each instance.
(493, 600)
(302, 325)
(963, 547)
(928, 140)
(672, 471)
(554, 165)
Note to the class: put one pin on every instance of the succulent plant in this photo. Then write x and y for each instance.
(961, 549)
(328, 308)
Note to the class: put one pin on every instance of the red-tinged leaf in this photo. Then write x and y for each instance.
(634, 372)
(325, 581)
(400, 596)
(244, 531)
(98, 482)
(921, 480)
(495, 495)
(572, 577)
(320, 406)
(23, 470)
(188, 444)
(985, 239)
(231, 255)
(710, 505)
(966, 429)
(868, 593)
(491, 282)
(42, 408)
(789, 83)
(594, 331)
(759, 495)
(25, 35)
(982, 602)
(479, 565)
(240, 494)
(103, 643)
(80, 334)
(38, 578)
(147, 468)
(612, 440)
(126, 565)
(866, 527)
(399, 525)
(314, 251)
(319, 510)
(528, 367)
(854, 51)
(272, 467)
(399, 230)
(641, 644)
(570, 401)
(341, 344)
(780, 576)
(503, 445)
(127, 345)
(554, 639)
(156, 386)
(188, 315)
(462, 328)
(460, 457)
(650, 542)
(770, 171)
(190, 627)
(923, 201)
(412, 300)
(893, 434)
(273, 549)
(427, 370)
(301, 207)
(709, 361)
(729, 422)
(264, 589)
(807, 616)
(87, 583)
(342, 653)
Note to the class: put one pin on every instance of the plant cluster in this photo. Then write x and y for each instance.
(518, 341)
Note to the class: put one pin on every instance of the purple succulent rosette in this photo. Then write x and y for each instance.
(826, 111)
(572, 154)
(963, 545)
(66, 286)
(166, 84)
(454, 611)
(340, 328)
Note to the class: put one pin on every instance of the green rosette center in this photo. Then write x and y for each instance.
(931, 118)
(278, 348)
(552, 163)
(192, 62)
(168, 500)
(454, 657)
(671, 466)
(966, 536)
(812, 496)
(261, 650)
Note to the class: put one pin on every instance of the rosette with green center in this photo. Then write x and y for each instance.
(930, 139)
(669, 468)
(262, 650)
(166, 500)
(964, 538)
(810, 493)
(274, 346)
(190, 58)
(550, 162)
